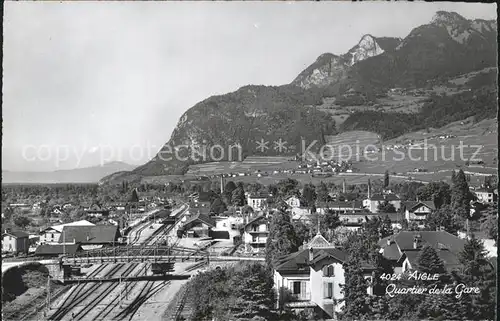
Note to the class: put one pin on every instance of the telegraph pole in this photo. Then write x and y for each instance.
(48, 294)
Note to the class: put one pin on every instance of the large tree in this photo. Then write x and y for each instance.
(238, 196)
(386, 207)
(282, 238)
(479, 272)
(354, 290)
(309, 194)
(460, 193)
(322, 192)
(445, 218)
(253, 292)
(386, 179)
(438, 192)
(429, 262)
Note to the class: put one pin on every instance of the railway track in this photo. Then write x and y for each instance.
(104, 314)
(77, 296)
(149, 289)
(102, 295)
(147, 292)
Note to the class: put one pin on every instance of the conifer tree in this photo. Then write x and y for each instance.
(429, 262)
(253, 292)
(478, 272)
(386, 179)
(460, 194)
(355, 295)
(282, 239)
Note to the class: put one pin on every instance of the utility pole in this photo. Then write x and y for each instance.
(48, 294)
(64, 243)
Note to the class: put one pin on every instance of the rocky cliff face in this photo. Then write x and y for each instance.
(329, 68)
(256, 118)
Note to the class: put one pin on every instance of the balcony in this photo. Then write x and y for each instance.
(258, 231)
(301, 296)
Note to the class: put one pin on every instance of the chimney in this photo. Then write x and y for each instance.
(369, 189)
(389, 242)
(415, 243)
(74, 241)
(311, 254)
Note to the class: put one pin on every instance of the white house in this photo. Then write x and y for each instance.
(372, 203)
(51, 234)
(312, 278)
(485, 195)
(418, 211)
(255, 233)
(293, 202)
(340, 207)
(257, 201)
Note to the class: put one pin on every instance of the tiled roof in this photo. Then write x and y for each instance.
(447, 246)
(318, 241)
(392, 251)
(336, 205)
(394, 217)
(299, 262)
(56, 249)
(259, 195)
(386, 197)
(162, 214)
(77, 223)
(256, 219)
(17, 234)
(89, 234)
(449, 259)
(202, 218)
(412, 205)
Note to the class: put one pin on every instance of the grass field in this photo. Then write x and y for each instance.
(436, 160)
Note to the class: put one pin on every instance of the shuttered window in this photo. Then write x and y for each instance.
(327, 290)
(328, 271)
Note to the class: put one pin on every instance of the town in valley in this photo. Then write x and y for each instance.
(364, 189)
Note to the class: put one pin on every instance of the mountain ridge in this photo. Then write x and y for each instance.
(449, 45)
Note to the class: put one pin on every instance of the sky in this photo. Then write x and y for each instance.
(91, 82)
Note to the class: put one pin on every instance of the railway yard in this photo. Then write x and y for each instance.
(131, 287)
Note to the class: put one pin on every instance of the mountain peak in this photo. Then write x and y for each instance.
(366, 47)
(448, 18)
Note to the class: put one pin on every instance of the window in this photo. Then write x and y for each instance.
(297, 287)
(328, 271)
(328, 290)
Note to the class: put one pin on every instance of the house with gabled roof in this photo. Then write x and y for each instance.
(97, 210)
(198, 225)
(340, 207)
(15, 242)
(90, 236)
(255, 233)
(418, 211)
(403, 249)
(312, 278)
(52, 234)
(257, 201)
(372, 202)
(54, 250)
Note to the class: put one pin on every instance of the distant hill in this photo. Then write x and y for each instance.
(79, 175)
(447, 47)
